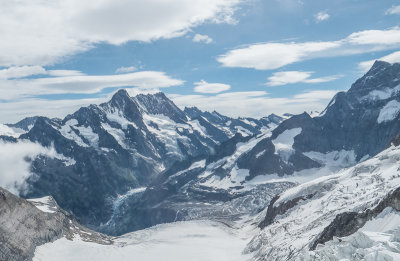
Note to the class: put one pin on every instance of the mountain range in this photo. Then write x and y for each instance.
(299, 187)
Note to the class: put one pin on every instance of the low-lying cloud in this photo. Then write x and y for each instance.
(15, 163)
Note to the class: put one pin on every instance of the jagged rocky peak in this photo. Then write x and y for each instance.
(25, 124)
(273, 118)
(159, 103)
(120, 98)
(382, 75)
(193, 112)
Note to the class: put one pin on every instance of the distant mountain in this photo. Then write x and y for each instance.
(111, 149)
(306, 188)
(356, 125)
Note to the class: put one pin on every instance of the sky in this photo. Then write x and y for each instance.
(238, 57)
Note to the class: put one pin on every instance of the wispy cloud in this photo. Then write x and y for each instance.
(256, 103)
(268, 56)
(126, 69)
(72, 82)
(291, 77)
(321, 16)
(393, 10)
(202, 38)
(17, 72)
(21, 71)
(205, 87)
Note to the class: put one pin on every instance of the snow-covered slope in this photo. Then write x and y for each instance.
(348, 204)
(118, 146)
(24, 225)
(197, 241)
(360, 122)
(297, 150)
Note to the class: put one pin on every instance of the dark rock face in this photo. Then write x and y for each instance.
(147, 141)
(348, 223)
(274, 211)
(23, 227)
(118, 146)
(350, 122)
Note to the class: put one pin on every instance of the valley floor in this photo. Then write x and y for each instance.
(191, 240)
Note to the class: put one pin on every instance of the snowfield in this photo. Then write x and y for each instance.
(195, 241)
(355, 189)
(377, 240)
(284, 143)
(389, 112)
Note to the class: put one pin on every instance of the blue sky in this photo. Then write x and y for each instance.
(239, 57)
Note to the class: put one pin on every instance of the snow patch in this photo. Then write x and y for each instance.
(389, 112)
(199, 128)
(195, 165)
(45, 204)
(284, 143)
(165, 130)
(67, 131)
(118, 118)
(260, 154)
(384, 94)
(118, 134)
(243, 131)
(340, 159)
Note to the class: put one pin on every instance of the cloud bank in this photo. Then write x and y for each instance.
(15, 163)
(43, 32)
(256, 103)
(64, 81)
(268, 56)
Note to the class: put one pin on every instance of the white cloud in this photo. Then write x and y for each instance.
(79, 83)
(391, 58)
(202, 38)
(15, 163)
(267, 56)
(21, 71)
(43, 32)
(205, 87)
(59, 73)
(393, 10)
(25, 71)
(321, 16)
(126, 69)
(290, 77)
(256, 103)
(316, 95)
